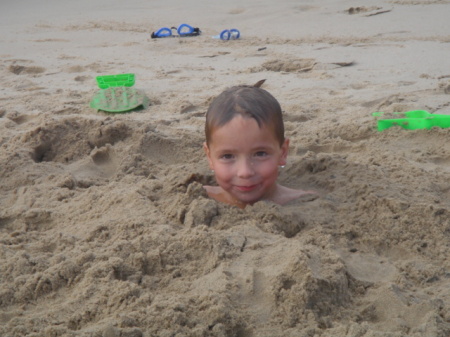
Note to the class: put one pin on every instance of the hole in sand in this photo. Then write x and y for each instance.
(42, 152)
(71, 139)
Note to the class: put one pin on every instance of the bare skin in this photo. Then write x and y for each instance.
(282, 195)
(246, 159)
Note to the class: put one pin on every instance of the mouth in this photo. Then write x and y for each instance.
(248, 188)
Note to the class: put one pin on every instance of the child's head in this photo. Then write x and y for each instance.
(249, 102)
(245, 144)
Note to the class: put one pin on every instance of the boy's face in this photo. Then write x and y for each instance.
(245, 159)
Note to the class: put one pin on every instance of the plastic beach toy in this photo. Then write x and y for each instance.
(413, 120)
(122, 80)
(228, 34)
(119, 99)
(116, 95)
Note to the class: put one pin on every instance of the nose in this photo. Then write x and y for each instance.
(245, 168)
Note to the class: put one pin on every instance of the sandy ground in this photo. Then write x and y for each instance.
(105, 229)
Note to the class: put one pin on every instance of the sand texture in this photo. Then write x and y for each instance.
(106, 231)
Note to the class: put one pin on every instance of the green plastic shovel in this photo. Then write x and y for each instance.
(413, 120)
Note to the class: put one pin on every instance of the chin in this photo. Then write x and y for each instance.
(249, 200)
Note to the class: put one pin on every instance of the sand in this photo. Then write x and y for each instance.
(105, 229)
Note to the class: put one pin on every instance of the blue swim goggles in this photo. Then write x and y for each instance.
(183, 30)
(229, 34)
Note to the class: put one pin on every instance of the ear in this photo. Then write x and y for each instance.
(208, 155)
(284, 152)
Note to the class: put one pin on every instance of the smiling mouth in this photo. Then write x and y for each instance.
(246, 188)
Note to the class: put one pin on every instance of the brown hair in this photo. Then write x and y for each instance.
(249, 102)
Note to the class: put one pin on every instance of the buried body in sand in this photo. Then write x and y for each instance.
(245, 146)
(105, 232)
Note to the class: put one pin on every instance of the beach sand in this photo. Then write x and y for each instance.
(105, 229)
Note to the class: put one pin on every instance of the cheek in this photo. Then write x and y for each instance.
(270, 172)
(223, 173)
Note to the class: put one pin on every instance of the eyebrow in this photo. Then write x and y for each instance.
(256, 148)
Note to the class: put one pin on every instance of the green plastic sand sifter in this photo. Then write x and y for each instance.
(116, 95)
(121, 80)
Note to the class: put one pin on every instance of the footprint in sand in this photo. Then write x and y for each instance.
(19, 118)
(368, 268)
(289, 65)
(20, 69)
(362, 9)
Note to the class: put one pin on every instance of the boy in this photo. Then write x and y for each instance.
(245, 147)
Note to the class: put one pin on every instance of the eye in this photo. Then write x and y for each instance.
(261, 154)
(227, 156)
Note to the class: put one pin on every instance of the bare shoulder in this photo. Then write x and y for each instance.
(212, 190)
(285, 194)
(215, 192)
